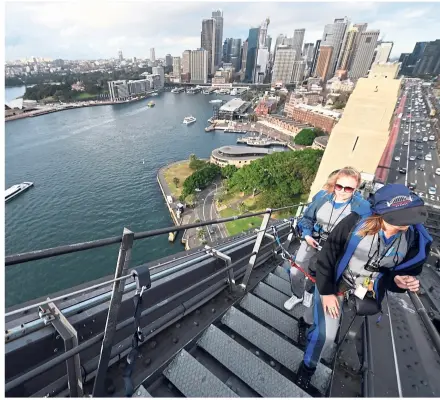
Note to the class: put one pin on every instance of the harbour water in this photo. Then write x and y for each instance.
(12, 93)
(90, 182)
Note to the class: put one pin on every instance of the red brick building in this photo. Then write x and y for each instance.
(317, 117)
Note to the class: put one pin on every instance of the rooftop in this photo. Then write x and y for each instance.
(320, 110)
(232, 105)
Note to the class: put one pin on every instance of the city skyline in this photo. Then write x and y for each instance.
(59, 30)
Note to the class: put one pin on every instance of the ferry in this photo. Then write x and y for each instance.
(16, 190)
(189, 120)
(177, 90)
(151, 104)
(216, 101)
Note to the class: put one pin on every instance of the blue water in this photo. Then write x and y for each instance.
(12, 93)
(90, 183)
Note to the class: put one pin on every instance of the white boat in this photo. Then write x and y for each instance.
(189, 120)
(216, 101)
(15, 190)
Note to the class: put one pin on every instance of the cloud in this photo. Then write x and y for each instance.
(93, 29)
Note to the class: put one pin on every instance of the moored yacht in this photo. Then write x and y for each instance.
(15, 190)
(189, 120)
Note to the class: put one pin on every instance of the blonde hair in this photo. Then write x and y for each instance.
(371, 226)
(346, 171)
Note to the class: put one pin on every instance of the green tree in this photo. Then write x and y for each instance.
(201, 233)
(190, 201)
(176, 180)
(305, 137)
(200, 179)
(196, 164)
(228, 171)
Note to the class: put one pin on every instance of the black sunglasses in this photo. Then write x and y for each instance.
(347, 189)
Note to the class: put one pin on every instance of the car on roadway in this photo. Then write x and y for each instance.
(420, 157)
(425, 138)
(402, 170)
(421, 167)
(419, 147)
(412, 186)
(428, 157)
(433, 147)
(412, 158)
(437, 171)
(198, 190)
(405, 143)
(412, 139)
(428, 125)
(397, 158)
(432, 137)
(432, 190)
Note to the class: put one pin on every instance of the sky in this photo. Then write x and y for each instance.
(94, 30)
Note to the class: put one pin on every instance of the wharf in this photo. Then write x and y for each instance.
(262, 141)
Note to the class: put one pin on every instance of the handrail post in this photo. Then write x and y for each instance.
(112, 316)
(255, 251)
(222, 256)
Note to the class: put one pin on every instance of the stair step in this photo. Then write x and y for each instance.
(270, 315)
(277, 299)
(141, 392)
(193, 379)
(282, 273)
(273, 345)
(249, 368)
(279, 284)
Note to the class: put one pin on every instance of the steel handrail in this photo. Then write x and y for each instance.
(72, 248)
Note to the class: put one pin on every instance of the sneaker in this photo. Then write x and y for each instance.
(304, 376)
(292, 302)
(302, 332)
(308, 298)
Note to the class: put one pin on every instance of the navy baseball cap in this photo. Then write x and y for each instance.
(398, 206)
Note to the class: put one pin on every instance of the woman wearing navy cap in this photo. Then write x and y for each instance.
(367, 256)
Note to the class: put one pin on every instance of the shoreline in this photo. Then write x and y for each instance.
(71, 106)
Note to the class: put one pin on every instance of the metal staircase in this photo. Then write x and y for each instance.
(251, 351)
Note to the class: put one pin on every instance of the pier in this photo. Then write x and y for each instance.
(260, 141)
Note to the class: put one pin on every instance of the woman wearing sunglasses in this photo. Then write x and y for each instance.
(328, 208)
(366, 256)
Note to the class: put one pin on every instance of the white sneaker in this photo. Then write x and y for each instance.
(308, 297)
(292, 302)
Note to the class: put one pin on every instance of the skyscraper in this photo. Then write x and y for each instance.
(298, 69)
(251, 57)
(218, 16)
(283, 65)
(227, 44)
(168, 60)
(208, 42)
(404, 60)
(429, 61)
(323, 64)
(347, 49)
(315, 57)
(383, 52)
(333, 36)
(199, 66)
(120, 56)
(364, 54)
(177, 68)
(152, 55)
(281, 39)
(244, 51)
(269, 42)
(160, 71)
(262, 61)
(235, 54)
(298, 40)
(186, 62)
(307, 52)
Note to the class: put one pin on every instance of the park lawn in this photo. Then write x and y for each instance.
(240, 225)
(180, 171)
(85, 96)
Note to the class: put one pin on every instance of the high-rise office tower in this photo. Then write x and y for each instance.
(323, 64)
(251, 57)
(359, 28)
(208, 42)
(383, 52)
(429, 61)
(234, 55)
(218, 47)
(334, 36)
(364, 54)
(120, 56)
(404, 62)
(315, 57)
(298, 69)
(307, 52)
(226, 51)
(298, 40)
(269, 42)
(283, 65)
(262, 61)
(281, 39)
(244, 51)
(262, 35)
(168, 60)
(152, 55)
(186, 62)
(199, 66)
(177, 67)
(347, 48)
